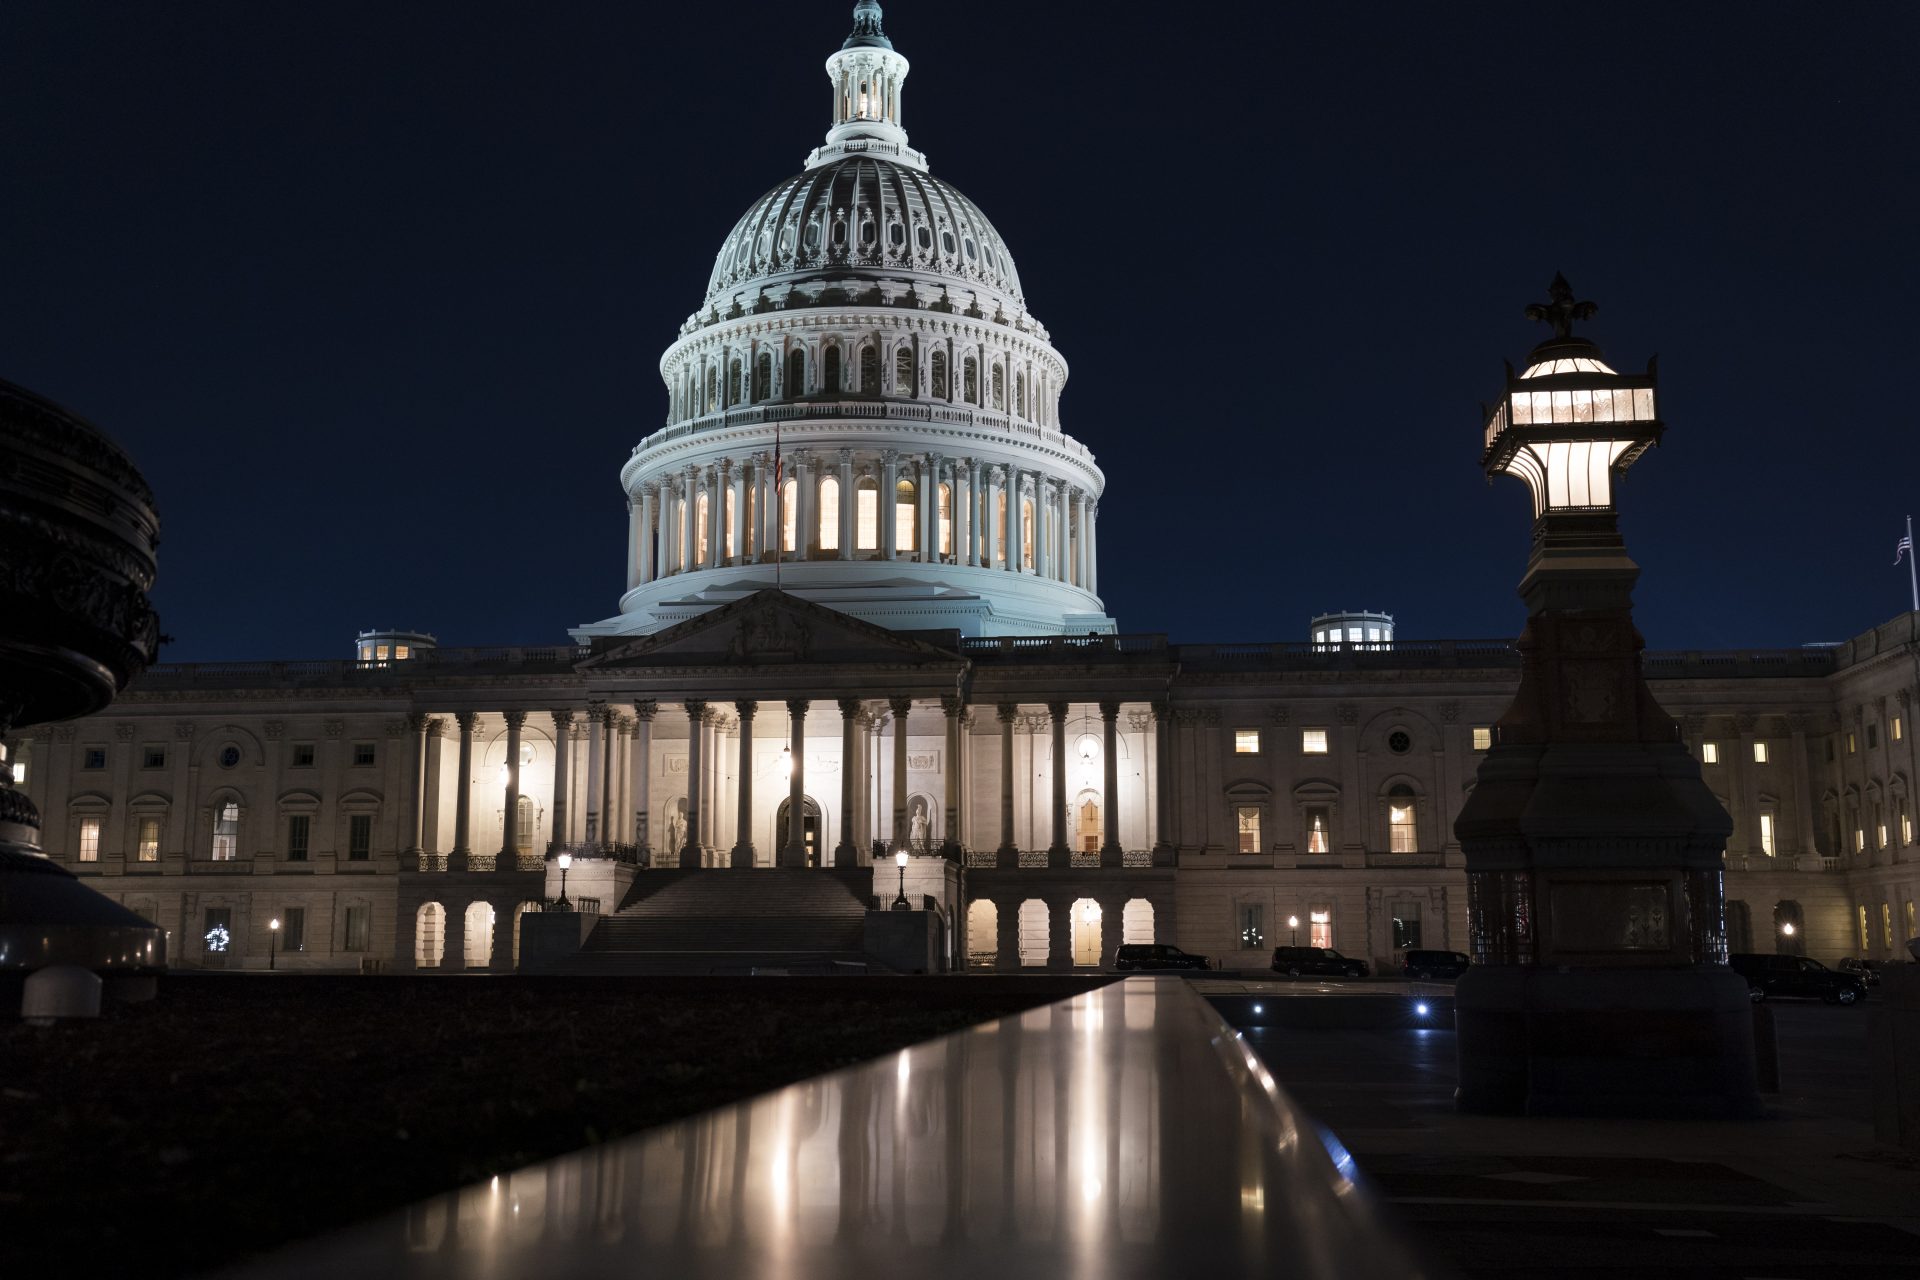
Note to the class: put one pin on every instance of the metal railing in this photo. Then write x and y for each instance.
(952, 415)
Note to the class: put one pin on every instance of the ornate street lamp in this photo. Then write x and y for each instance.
(566, 861)
(273, 938)
(1593, 849)
(1293, 923)
(900, 902)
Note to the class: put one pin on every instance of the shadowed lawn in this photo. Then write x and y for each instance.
(240, 1112)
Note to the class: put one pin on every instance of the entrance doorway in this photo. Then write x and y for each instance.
(809, 830)
(1089, 825)
(1086, 933)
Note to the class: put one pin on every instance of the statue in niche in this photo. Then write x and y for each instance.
(677, 825)
(917, 824)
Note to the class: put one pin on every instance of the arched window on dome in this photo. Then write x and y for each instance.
(712, 398)
(869, 370)
(1026, 533)
(829, 514)
(726, 520)
(830, 368)
(937, 366)
(946, 519)
(1000, 525)
(970, 381)
(763, 377)
(1020, 394)
(906, 511)
(701, 551)
(733, 382)
(903, 370)
(789, 514)
(796, 374)
(866, 515)
(999, 388)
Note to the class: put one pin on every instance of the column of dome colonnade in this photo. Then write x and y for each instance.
(863, 410)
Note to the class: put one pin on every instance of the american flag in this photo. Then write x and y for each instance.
(1904, 547)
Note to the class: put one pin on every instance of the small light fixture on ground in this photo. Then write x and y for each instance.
(566, 861)
(900, 903)
(273, 937)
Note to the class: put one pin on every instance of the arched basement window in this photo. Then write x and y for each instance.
(429, 935)
(866, 515)
(906, 509)
(479, 935)
(829, 514)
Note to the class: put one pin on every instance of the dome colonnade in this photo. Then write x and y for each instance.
(864, 401)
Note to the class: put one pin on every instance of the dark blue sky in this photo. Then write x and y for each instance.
(375, 292)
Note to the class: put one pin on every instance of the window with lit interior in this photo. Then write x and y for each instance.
(1247, 820)
(1313, 742)
(226, 832)
(906, 517)
(1400, 825)
(1246, 742)
(830, 514)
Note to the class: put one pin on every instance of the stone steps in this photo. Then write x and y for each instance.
(691, 921)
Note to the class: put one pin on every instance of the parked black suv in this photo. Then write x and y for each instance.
(1434, 964)
(1298, 961)
(1768, 975)
(1156, 955)
(1854, 967)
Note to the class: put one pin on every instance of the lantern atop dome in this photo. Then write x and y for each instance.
(867, 78)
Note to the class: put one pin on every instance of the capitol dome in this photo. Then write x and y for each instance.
(862, 412)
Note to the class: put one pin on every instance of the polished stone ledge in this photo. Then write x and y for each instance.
(1124, 1132)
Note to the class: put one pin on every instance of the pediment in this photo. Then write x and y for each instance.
(766, 629)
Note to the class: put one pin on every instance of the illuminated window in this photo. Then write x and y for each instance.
(830, 514)
(1247, 817)
(1246, 742)
(1400, 831)
(1000, 537)
(866, 516)
(299, 835)
(1253, 925)
(400, 652)
(903, 371)
(789, 514)
(1886, 925)
(1864, 944)
(946, 519)
(1906, 824)
(149, 846)
(1896, 730)
(523, 829)
(226, 832)
(906, 512)
(1710, 753)
(763, 376)
(359, 837)
(726, 521)
(217, 935)
(1853, 744)
(937, 367)
(89, 839)
(1906, 914)
(1406, 926)
(1313, 742)
(1766, 834)
(1319, 827)
(701, 551)
(1483, 738)
(1320, 928)
(1759, 753)
(1026, 533)
(1859, 840)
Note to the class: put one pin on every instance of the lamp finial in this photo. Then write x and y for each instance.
(1560, 310)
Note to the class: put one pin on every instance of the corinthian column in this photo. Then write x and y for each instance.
(510, 814)
(562, 748)
(743, 822)
(950, 773)
(690, 851)
(1058, 853)
(1009, 852)
(596, 764)
(845, 853)
(795, 854)
(643, 778)
(1110, 782)
(463, 795)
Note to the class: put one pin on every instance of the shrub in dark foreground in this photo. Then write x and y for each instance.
(238, 1113)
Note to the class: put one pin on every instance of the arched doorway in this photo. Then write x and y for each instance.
(983, 934)
(518, 912)
(1033, 934)
(429, 935)
(809, 829)
(1086, 934)
(479, 939)
(1136, 922)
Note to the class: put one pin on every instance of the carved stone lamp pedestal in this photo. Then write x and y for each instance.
(1593, 849)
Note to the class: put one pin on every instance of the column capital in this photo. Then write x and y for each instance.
(747, 709)
(851, 708)
(696, 708)
(1110, 711)
(646, 709)
(1058, 710)
(900, 707)
(436, 726)
(797, 707)
(466, 720)
(1008, 712)
(417, 722)
(597, 712)
(952, 704)
(514, 719)
(562, 720)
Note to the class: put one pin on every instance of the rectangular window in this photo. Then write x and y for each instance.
(303, 755)
(149, 849)
(93, 758)
(1906, 828)
(1246, 742)
(1859, 840)
(1710, 753)
(1406, 926)
(1483, 737)
(946, 519)
(1400, 829)
(1863, 929)
(866, 518)
(1886, 925)
(1319, 829)
(1906, 914)
(153, 757)
(1853, 744)
(1766, 834)
(1896, 730)
(217, 932)
(1253, 925)
(89, 839)
(1873, 736)
(1248, 818)
(1320, 928)
(1313, 742)
(293, 929)
(359, 837)
(299, 832)
(1880, 835)
(1760, 753)
(399, 651)
(362, 753)
(355, 937)
(829, 516)
(226, 833)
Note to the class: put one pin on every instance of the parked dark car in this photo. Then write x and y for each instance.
(1434, 964)
(1861, 969)
(1157, 955)
(1298, 962)
(1769, 976)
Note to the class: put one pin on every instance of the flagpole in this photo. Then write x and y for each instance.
(1913, 576)
(779, 507)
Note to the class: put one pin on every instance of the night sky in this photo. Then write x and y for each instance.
(375, 293)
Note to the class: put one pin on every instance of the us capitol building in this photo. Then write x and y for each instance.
(862, 615)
